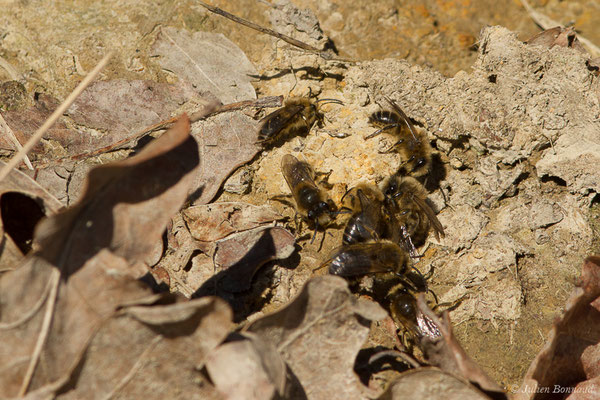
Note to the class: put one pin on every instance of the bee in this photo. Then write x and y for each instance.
(412, 145)
(407, 199)
(404, 311)
(398, 297)
(374, 257)
(296, 117)
(312, 203)
(368, 221)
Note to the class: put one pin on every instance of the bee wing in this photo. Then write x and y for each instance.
(357, 259)
(275, 122)
(404, 117)
(437, 225)
(407, 243)
(296, 172)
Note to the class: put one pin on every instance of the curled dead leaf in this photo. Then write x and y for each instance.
(259, 372)
(319, 335)
(215, 221)
(568, 364)
(430, 383)
(242, 255)
(446, 353)
(146, 188)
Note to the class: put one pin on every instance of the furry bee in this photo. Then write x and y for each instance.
(297, 116)
(412, 145)
(368, 258)
(404, 311)
(368, 221)
(398, 296)
(312, 202)
(407, 199)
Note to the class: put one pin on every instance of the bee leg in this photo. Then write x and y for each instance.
(297, 222)
(449, 305)
(315, 233)
(295, 79)
(378, 131)
(401, 354)
(404, 339)
(429, 274)
(282, 199)
(322, 241)
(392, 147)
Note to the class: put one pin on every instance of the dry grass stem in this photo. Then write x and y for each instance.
(15, 141)
(54, 117)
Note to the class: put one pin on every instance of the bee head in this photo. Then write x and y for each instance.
(321, 208)
(403, 304)
(393, 188)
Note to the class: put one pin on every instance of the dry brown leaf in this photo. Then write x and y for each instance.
(100, 123)
(430, 384)
(241, 255)
(209, 61)
(25, 122)
(246, 367)
(139, 104)
(154, 352)
(557, 36)
(569, 363)
(125, 209)
(215, 221)
(319, 335)
(22, 203)
(151, 185)
(226, 142)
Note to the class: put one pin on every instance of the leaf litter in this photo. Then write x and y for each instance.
(97, 257)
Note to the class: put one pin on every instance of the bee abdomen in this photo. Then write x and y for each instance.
(382, 118)
(356, 232)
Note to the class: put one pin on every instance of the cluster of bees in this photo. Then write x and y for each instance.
(386, 223)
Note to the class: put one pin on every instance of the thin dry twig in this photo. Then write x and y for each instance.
(45, 329)
(205, 112)
(259, 28)
(327, 55)
(15, 141)
(54, 117)
(546, 23)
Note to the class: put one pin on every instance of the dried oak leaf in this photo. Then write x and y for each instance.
(209, 61)
(557, 36)
(247, 367)
(154, 352)
(215, 221)
(22, 204)
(110, 111)
(25, 122)
(241, 255)
(570, 359)
(150, 186)
(104, 114)
(93, 244)
(430, 384)
(226, 142)
(319, 335)
(446, 353)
